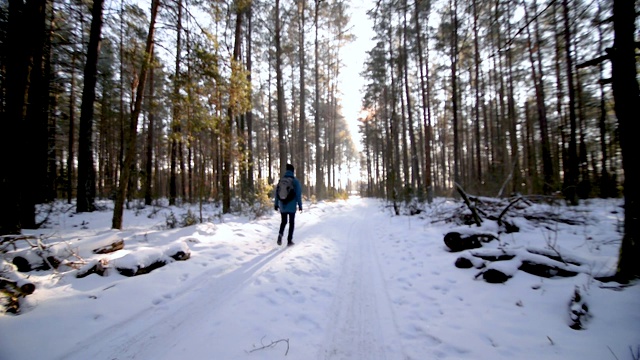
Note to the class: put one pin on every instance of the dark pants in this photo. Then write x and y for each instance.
(283, 223)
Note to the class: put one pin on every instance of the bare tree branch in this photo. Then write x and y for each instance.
(272, 344)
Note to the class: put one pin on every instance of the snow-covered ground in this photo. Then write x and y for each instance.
(360, 283)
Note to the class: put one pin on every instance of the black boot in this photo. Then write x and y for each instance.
(290, 242)
(279, 239)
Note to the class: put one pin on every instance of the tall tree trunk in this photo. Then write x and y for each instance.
(514, 163)
(240, 117)
(426, 106)
(300, 173)
(403, 126)
(319, 175)
(571, 177)
(393, 164)
(148, 179)
(282, 145)
(416, 183)
(50, 191)
(72, 131)
(176, 131)
(626, 95)
(33, 164)
(18, 210)
(606, 187)
(454, 93)
(123, 184)
(270, 159)
(227, 162)
(476, 55)
(86, 169)
(547, 165)
(249, 114)
(38, 112)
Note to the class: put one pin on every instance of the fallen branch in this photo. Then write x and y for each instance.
(504, 211)
(272, 344)
(471, 207)
(10, 240)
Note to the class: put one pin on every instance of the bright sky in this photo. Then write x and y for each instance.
(353, 56)
(359, 284)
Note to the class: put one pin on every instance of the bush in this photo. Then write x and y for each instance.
(189, 219)
(263, 202)
(171, 221)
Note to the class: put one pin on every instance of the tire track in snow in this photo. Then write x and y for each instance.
(137, 337)
(362, 324)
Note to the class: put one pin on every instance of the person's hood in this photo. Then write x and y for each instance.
(288, 173)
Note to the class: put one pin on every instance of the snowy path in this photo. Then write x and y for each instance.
(332, 273)
(361, 321)
(359, 284)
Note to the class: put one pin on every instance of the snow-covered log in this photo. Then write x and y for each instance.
(504, 264)
(456, 241)
(98, 267)
(13, 286)
(117, 244)
(37, 259)
(145, 261)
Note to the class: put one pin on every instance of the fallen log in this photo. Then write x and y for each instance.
(141, 270)
(21, 288)
(113, 247)
(13, 287)
(456, 242)
(504, 264)
(35, 260)
(144, 262)
(545, 270)
(98, 267)
(495, 276)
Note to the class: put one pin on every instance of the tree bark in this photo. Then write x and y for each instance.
(319, 176)
(626, 94)
(176, 131)
(571, 177)
(300, 173)
(416, 182)
(149, 146)
(282, 145)
(454, 93)
(130, 155)
(18, 210)
(86, 170)
(547, 164)
(426, 106)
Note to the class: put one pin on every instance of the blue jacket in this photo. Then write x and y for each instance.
(290, 207)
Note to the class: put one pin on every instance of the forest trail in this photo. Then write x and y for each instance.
(360, 283)
(332, 273)
(361, 320)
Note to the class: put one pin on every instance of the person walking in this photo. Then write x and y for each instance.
(288, 196)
